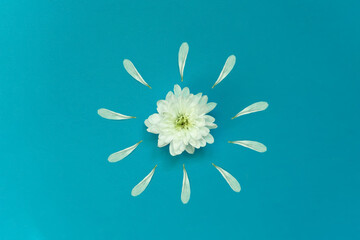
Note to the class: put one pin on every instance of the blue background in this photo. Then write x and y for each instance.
(62, 60)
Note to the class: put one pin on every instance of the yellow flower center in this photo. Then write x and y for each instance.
(182, 121)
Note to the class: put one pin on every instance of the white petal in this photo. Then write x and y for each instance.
(256, 146)
(185, 191)
(209, 119)
(229, 64)
(202, 142)
(141, 186)
(105, 113)
(152, 129)
(190, 149)
(194, 143)
(209, 138)
(176, 142)
(180, 149)
(204, 109)
(162, 106)
(211, 125)
(203, 100)
(234, 184)
(162, 142)
(210, 107)
(130, 68)
(177, 90)
(154, 118)
(169, 96)
(204, 131)
(115, 157)
(186, 92)
(183, 52)
(195, 133)
(255, 107)
(171, 149)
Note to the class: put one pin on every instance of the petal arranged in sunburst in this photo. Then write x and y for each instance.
(256, 146)
(115, 157)
(233, 183)
(108, 114)
(185, 191)
(229, 64)
(141, 186)
(255, 107)
(130, 68)
(183, 52)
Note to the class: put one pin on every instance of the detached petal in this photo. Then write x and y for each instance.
(255, 107)
(229, 64)
(115, 157)
(183, 52)
(105, 113)
(185, 191)
(141, 186)
(233, 183)
(130, 68)
(256, 146)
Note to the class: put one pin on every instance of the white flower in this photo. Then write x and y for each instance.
(182, 121)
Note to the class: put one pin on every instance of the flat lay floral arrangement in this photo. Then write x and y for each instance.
(183, 122)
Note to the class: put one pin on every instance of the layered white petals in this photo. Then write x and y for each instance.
(141, 186)
(108, 114)
(115, 157)
(229, 65)
(255, 107)
(233, 183)
(256, 146)
(130, 68)
(183, 52)
(181, 105)
(185, 191)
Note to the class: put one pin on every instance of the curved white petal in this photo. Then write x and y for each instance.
(185, 92)
(190, 149)
(185, 191)
(211, 125)
(183, 52)
(108, 114)
(256, 146)
(210, 107)
(141, 186)
(130, 68)
(209, 139)
(229, 64)
(115, 157)
(172, 149)
(255, 107)
(177, 90)
(233, 183)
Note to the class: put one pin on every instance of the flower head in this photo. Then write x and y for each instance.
(182, 121)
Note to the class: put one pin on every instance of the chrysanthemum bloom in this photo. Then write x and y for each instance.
(183, 123)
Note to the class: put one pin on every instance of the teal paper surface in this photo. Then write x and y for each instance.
(60, 61)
